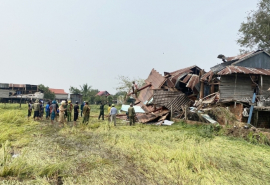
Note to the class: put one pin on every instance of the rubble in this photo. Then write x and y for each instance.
(227, 87)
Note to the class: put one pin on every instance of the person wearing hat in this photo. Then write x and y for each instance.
(131, 115)
(76, 113)
(113, 113)
(62, 112)
(86, 113)
(109, 110)
(36, 110)
(69, 110)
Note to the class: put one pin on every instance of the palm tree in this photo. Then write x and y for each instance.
(85, 89)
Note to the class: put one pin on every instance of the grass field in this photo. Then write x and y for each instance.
(143, 154)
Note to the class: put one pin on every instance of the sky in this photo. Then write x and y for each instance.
(63, 43)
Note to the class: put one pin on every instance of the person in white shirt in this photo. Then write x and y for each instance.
(113, 113)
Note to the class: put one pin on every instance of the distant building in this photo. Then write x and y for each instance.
(76, 97)
(60, 94)
(103, 93)
(17, 92)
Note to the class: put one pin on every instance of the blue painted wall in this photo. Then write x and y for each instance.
(261, 60)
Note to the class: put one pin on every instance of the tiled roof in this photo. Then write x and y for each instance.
(58, 91)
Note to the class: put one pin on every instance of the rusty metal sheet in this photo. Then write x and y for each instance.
(144, 118)
(157, 80)
(186, 79)
(207, 76)
(245, 70)
(239, 57)
(194, 80)
(183, 72)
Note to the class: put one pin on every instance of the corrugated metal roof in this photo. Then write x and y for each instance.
(157, 80)
(184, 70)
(235, 60)
(194, 80)
(208, 76)
(162, 97)
(239, 57)
(185, 80)
(177, 102)
(58, 91)
(244, 70)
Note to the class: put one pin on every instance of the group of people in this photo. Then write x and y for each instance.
(112, 111)
(64, 111)
(53, 111)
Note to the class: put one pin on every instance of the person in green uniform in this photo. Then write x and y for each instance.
(101, 113)
(69, 110)
(86, 113)
(131, 115)
(36, 110)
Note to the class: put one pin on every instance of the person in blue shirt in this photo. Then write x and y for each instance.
(47, 109)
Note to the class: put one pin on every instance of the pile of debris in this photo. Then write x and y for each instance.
(239, 84)
(167, 96)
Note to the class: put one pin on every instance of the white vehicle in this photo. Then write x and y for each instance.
(36, 95)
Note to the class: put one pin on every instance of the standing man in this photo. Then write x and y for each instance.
(30, 107)
(62, 111)
(69, 110)
(113, 113)
(109, 111)
(101, 113)
(82, 105)
(135, 88)
(47, 109)
(41, 112)
(76, 113)
(131, 115)
(86, 113)
(36, 110)
(53, 110)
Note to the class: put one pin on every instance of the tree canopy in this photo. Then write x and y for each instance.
(125, 83)
(254, 33)
(47, 93)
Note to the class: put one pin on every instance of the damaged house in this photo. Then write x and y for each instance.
(166, 94)
(235, 81)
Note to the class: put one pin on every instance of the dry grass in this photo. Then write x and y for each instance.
(144, 154)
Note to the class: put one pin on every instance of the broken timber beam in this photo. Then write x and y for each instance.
(142, 88)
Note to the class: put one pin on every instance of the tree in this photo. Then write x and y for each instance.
(74, 90)
(85, 89)
(47, 93)
(255, 32)
(125, 83)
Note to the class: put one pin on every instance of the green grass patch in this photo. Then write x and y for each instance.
(99, 153)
